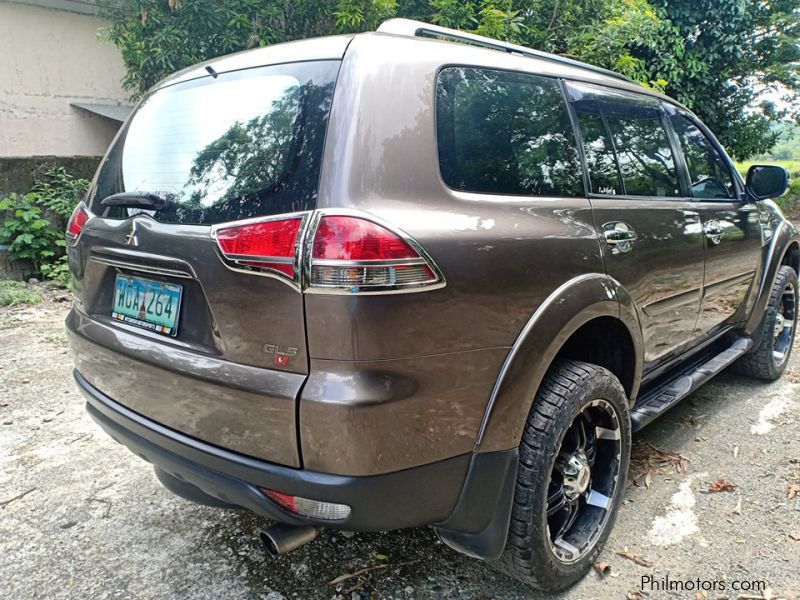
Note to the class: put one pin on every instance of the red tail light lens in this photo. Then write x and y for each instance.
(360, 255)
(268, 245)
(351, 238)
(348, 253)
(80, 216)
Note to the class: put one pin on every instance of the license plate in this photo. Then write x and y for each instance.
(149, 304)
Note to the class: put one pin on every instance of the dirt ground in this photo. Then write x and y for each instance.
(82, 517)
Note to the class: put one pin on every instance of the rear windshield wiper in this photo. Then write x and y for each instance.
(144, 200)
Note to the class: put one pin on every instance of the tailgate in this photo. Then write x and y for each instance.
(208, 342)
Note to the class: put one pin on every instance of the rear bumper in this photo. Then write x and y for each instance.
(424, 495)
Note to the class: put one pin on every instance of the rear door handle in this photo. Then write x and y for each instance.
(713, 231)
(620, 236)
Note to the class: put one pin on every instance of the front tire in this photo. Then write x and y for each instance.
(574, 458)
(769, 359)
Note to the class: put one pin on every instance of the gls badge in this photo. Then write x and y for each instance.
(282, 355)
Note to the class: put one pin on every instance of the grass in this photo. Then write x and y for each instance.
(16, 292)
(58, 339)
(792, 165)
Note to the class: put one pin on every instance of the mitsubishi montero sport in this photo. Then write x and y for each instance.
(418, 277)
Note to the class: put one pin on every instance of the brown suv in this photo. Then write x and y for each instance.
(387, 280)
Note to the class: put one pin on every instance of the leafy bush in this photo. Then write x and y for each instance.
(16, 292)
(58, 273)
(28, 233)
(33, 224)
(60, 192)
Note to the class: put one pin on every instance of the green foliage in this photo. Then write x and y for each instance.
(718, 57)
(157, 38)
(60, 192)
(360, 15)
(788, 146)
(790, 203)
(33, 224)
(16, 292)
(58, 272)
(27, 232)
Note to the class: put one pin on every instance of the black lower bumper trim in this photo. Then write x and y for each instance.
(467, 497)
(421, 495)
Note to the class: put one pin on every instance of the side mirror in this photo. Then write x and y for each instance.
(766, 181)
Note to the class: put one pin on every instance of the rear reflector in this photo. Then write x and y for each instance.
(308, 508)
(80, 216)
(264, 245)
(359, 255)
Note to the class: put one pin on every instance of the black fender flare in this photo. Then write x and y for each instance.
(565, 310)
(478, 525)
(782, 238)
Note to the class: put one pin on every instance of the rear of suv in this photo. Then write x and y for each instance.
(380, 281)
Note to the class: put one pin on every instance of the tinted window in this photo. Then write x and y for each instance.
(505, 133)
(708, 172)
(244, 144)
(599, 151)
(626, 128)
(644, 155)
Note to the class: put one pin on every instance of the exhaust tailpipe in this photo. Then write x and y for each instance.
(280, 538)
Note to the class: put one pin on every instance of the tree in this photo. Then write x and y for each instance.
(713, 55)
(721, 57)
(158, 37)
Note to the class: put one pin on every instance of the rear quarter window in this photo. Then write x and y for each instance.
(509, 133)
(244, 144)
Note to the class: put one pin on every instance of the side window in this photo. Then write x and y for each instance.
(709, 174)
(625, 143)
(599, 152)
(505, 133)
(644, 154)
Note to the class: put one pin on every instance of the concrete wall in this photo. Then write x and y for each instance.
(49, 58)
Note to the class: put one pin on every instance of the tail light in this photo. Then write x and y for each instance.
(80, 216)
(269, 245)
(344, 253)
(309, 508)
(359, 255)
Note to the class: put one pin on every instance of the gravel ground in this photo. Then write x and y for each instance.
(81, 517)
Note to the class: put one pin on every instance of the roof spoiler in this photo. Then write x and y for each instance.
(413, 28)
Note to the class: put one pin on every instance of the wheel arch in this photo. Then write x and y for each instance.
(784, 249)
(572, 323)
(791, 257)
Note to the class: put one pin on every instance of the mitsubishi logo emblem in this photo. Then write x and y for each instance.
(131, 239)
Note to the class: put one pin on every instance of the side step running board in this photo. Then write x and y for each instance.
(672, 390)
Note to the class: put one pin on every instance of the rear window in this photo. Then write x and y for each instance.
(244, 144)
(505, 133)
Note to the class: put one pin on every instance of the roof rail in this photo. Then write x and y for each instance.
(413, 28)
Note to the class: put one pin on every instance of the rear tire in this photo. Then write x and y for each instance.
(579, 420)
(769, 359)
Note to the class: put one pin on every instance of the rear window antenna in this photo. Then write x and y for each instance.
(211, 71)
